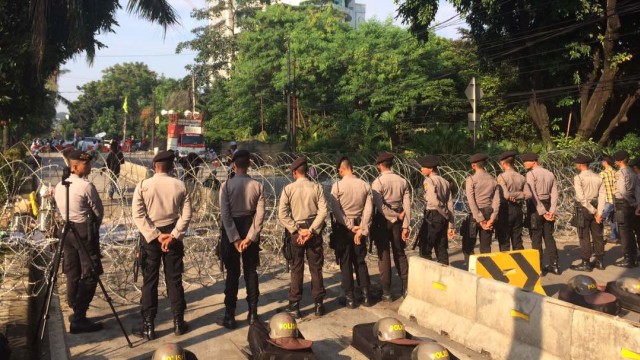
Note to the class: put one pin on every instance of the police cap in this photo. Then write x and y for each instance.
(79, 155)
(529, 157)
(164, 156)
(635, 162)
(392, 330)
(385, 156)
(297, 163)
(629, 284)
(583, 159)
(283, 332)
(583, 285)
(240, 154)
(478, 157)
(430, 350)
(621, 155)
(340, 160)
(507, 154)
(429, 161)
(608, 159)
(169, 352)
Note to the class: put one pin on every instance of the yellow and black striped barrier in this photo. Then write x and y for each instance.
(519, 268)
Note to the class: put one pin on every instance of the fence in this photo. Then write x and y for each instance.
(28, 240)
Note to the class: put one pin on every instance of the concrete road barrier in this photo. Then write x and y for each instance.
(509, 323)
(134, 173)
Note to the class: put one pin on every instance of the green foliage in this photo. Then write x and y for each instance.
(630, 143)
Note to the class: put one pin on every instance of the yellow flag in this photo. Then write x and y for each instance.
(157, 120)
(125, 106)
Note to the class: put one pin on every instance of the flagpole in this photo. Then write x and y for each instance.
(124, 129)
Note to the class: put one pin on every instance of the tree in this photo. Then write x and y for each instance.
(574, 51)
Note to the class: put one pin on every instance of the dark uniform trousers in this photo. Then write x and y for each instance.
(391, 241)
(81, 282)
(469, 242)
(314, 250)
(152, 255)
(352, 257)
(542, 228)
(436, 237)
(590, 230)
(250, 262)
(625, 219)
(509, 226)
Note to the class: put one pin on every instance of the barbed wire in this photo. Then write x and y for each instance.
(28, 240)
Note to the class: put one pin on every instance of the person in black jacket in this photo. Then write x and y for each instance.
(114, 160)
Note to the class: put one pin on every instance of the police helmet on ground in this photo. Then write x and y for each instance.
(283, 332)
(630, 285)
(430, 351)
(392, 330)
(169, 352)
(583, 285)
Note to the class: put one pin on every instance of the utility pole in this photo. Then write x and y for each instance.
(474, 94)
(193, 92)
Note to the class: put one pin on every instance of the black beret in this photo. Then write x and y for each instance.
(507, 154)
(529, 157)
(240, 154)
(79, 155)
(340, 160)
(66, 151)
(429, 161)
(164, 156)
(621, 155)
(635, 162)
(583, 159)
(608, 159)
(478, 157)
(385, 156)
(297, 163)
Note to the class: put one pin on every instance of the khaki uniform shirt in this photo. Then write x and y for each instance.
(83, 200)
(350, 200)
(303, 203)
(482, 192)
(242, 196)
(437, 194)
(589, 187)
(391, 196)
(625, 185)
(543, 186)
(160, 201)
(513, 185)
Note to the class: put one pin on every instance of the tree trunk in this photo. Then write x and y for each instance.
(540, 117)
(5, 136)
(591, 111)
(620, 117)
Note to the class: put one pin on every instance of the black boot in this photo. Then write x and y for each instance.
(350, 301)
(229, 320)
(81, 324)
(253, 314)
(627, 262)
(146, 331)
(366, 300)
(585, 265)
(179, 325)
(386, 296)
(554, 268)
(319, 308)
(598, 263)
(294, 309)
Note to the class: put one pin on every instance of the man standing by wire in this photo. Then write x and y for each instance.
(113, 162)
(352, 207)
(590, 199)
(542, 208)
(86, 213)
(484, 205)
(302, 211)
(439, 215)
(162, 212)
(625, 203)
(608, 176)
(242, 214)
(514, 191)
(392, 198)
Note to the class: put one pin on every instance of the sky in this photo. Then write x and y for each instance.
(138, 40)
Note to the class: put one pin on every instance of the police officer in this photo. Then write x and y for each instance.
(242, 213)
(542, 208)
(484, 203)
(513, 190)
(162, 212)
(302, 211)
(625, 203)
(439, 215)
(85, 213)
(352, 206)
(635, 166)
(393, 202)
(591, 197)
